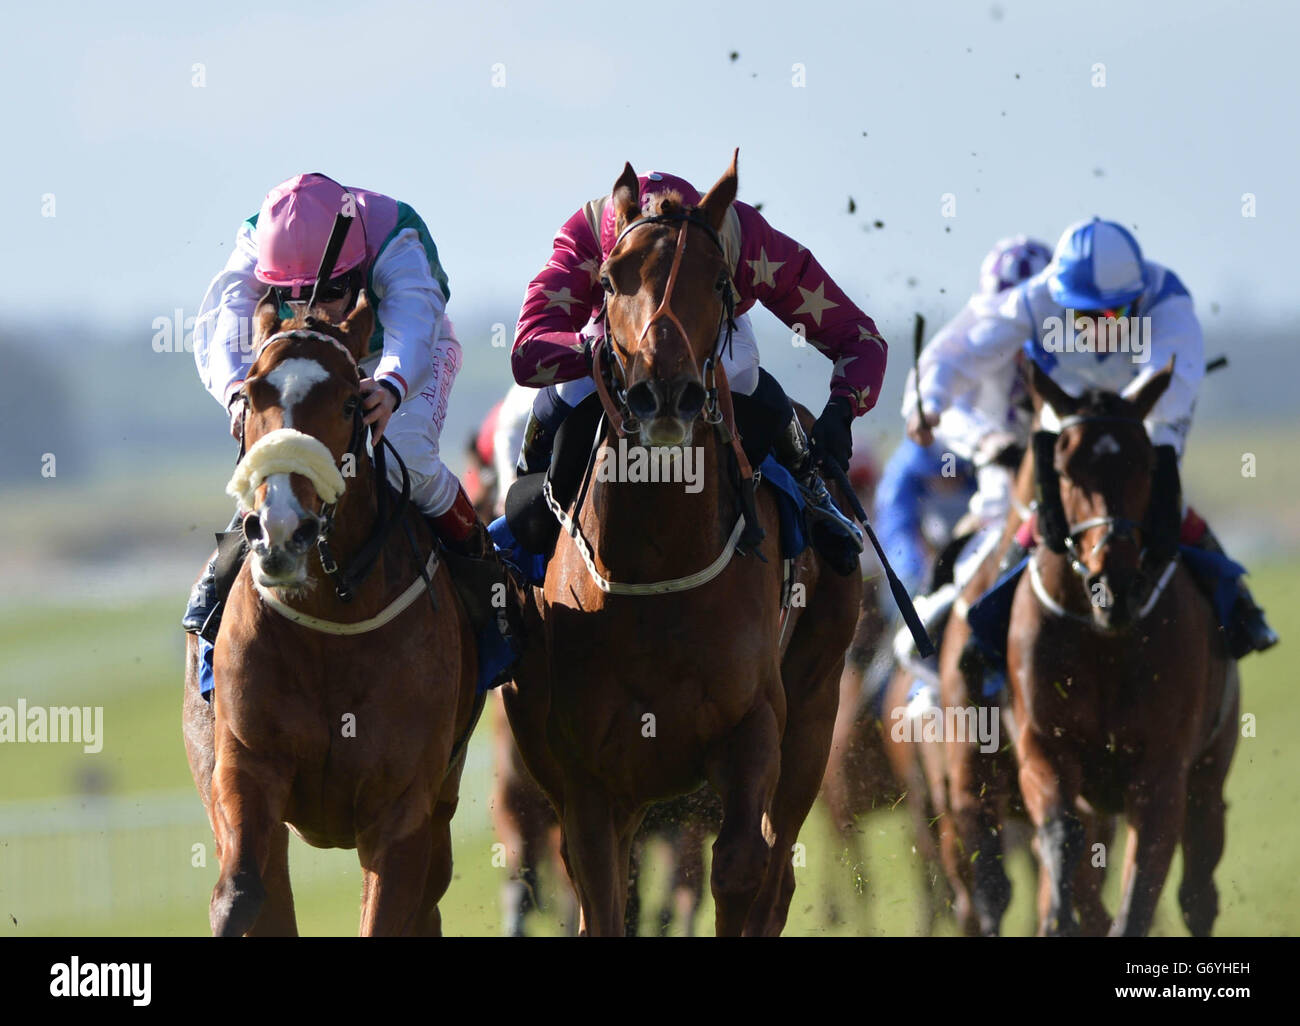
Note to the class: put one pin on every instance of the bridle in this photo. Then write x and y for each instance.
(717, 411)
(348, 579)
(1116, 528)
(612, 387)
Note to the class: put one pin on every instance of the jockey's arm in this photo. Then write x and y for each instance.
(413, 311)
(549, 346)
(787, 279)
(898, 519)
(975, 347)
(223, 329)
(1175, 333)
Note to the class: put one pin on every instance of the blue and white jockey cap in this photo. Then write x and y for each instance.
(1097, 265)
(1012, 261)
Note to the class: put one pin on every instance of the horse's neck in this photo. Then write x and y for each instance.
(661, 529)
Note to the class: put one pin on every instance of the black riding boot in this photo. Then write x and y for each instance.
(1246, 628)
(480, 578)
(207, 599)
(548, 413)
(834, 535)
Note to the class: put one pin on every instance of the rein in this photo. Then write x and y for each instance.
(348, 579)
(1116, 527)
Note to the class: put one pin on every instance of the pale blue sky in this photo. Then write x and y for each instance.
(151, 175)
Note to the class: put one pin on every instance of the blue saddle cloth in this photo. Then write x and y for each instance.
(531, 566)
(990, 615)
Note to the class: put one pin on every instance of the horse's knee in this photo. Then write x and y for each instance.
(237, 901)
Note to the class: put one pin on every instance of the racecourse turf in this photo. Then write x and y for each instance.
(116, 842)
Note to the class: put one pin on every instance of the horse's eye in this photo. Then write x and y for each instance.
(606, 284)
(722, 283)
(350, 407)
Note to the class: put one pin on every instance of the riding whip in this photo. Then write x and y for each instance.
(901, 598)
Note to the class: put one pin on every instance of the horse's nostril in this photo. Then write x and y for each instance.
(252, 528)
(690, 400)
(642, 400)
(306, 532)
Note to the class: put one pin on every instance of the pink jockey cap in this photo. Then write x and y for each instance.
(294, 226)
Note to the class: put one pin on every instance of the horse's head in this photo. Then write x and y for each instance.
(668, 287)
(303, 416)
(1105, 461)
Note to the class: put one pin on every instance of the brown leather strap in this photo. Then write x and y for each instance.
(729, 422)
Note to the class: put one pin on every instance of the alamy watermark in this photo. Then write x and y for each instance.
(962, 724)
(56, 724)
(1078, 332)
(676, 464)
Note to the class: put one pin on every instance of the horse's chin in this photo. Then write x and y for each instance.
(666, 431)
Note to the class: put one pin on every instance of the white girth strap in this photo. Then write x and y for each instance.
(285, 451)
(390, 612)
(652, 588)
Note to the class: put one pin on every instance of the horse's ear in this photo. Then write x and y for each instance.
(1048, 391)
(358, 326)
(1149, 394)
(718, 200)
(266, 317)
(627, 198)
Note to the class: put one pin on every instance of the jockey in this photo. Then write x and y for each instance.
(408, 371)
(920, 498)
(1098, 316)
(558, 325)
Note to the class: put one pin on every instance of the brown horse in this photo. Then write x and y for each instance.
(975, 794)
(344, 720)
(1125, 695)
(639, 697)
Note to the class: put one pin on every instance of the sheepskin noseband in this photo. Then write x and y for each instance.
(285, 451)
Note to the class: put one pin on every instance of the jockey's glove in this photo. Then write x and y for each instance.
(833, 432)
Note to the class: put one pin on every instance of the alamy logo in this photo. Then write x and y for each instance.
(1080, 333)
(962, 724)
(644, 465)
(56, 724)
(102, 979)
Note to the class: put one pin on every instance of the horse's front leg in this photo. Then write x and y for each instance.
(1049, 784)
(397, 865)
(1156, 807)
(743, 770)
(248, 802)
(596, 855)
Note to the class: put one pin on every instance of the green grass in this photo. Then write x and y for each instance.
(93, 880)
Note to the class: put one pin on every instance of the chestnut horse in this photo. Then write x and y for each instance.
(1124, 693)
(345, 720)
(644, 695)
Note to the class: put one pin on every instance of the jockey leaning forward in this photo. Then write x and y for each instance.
(408, 371)
(1099, 316)
(560, 322)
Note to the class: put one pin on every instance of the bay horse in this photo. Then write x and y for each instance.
(1125, 695)
(979, 813)
(345, 720)
(636, 697)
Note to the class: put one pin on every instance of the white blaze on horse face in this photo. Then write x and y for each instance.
(293, 379)
(1105, 446)
(281, 513)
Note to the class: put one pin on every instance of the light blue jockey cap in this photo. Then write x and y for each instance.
(1097, 265)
